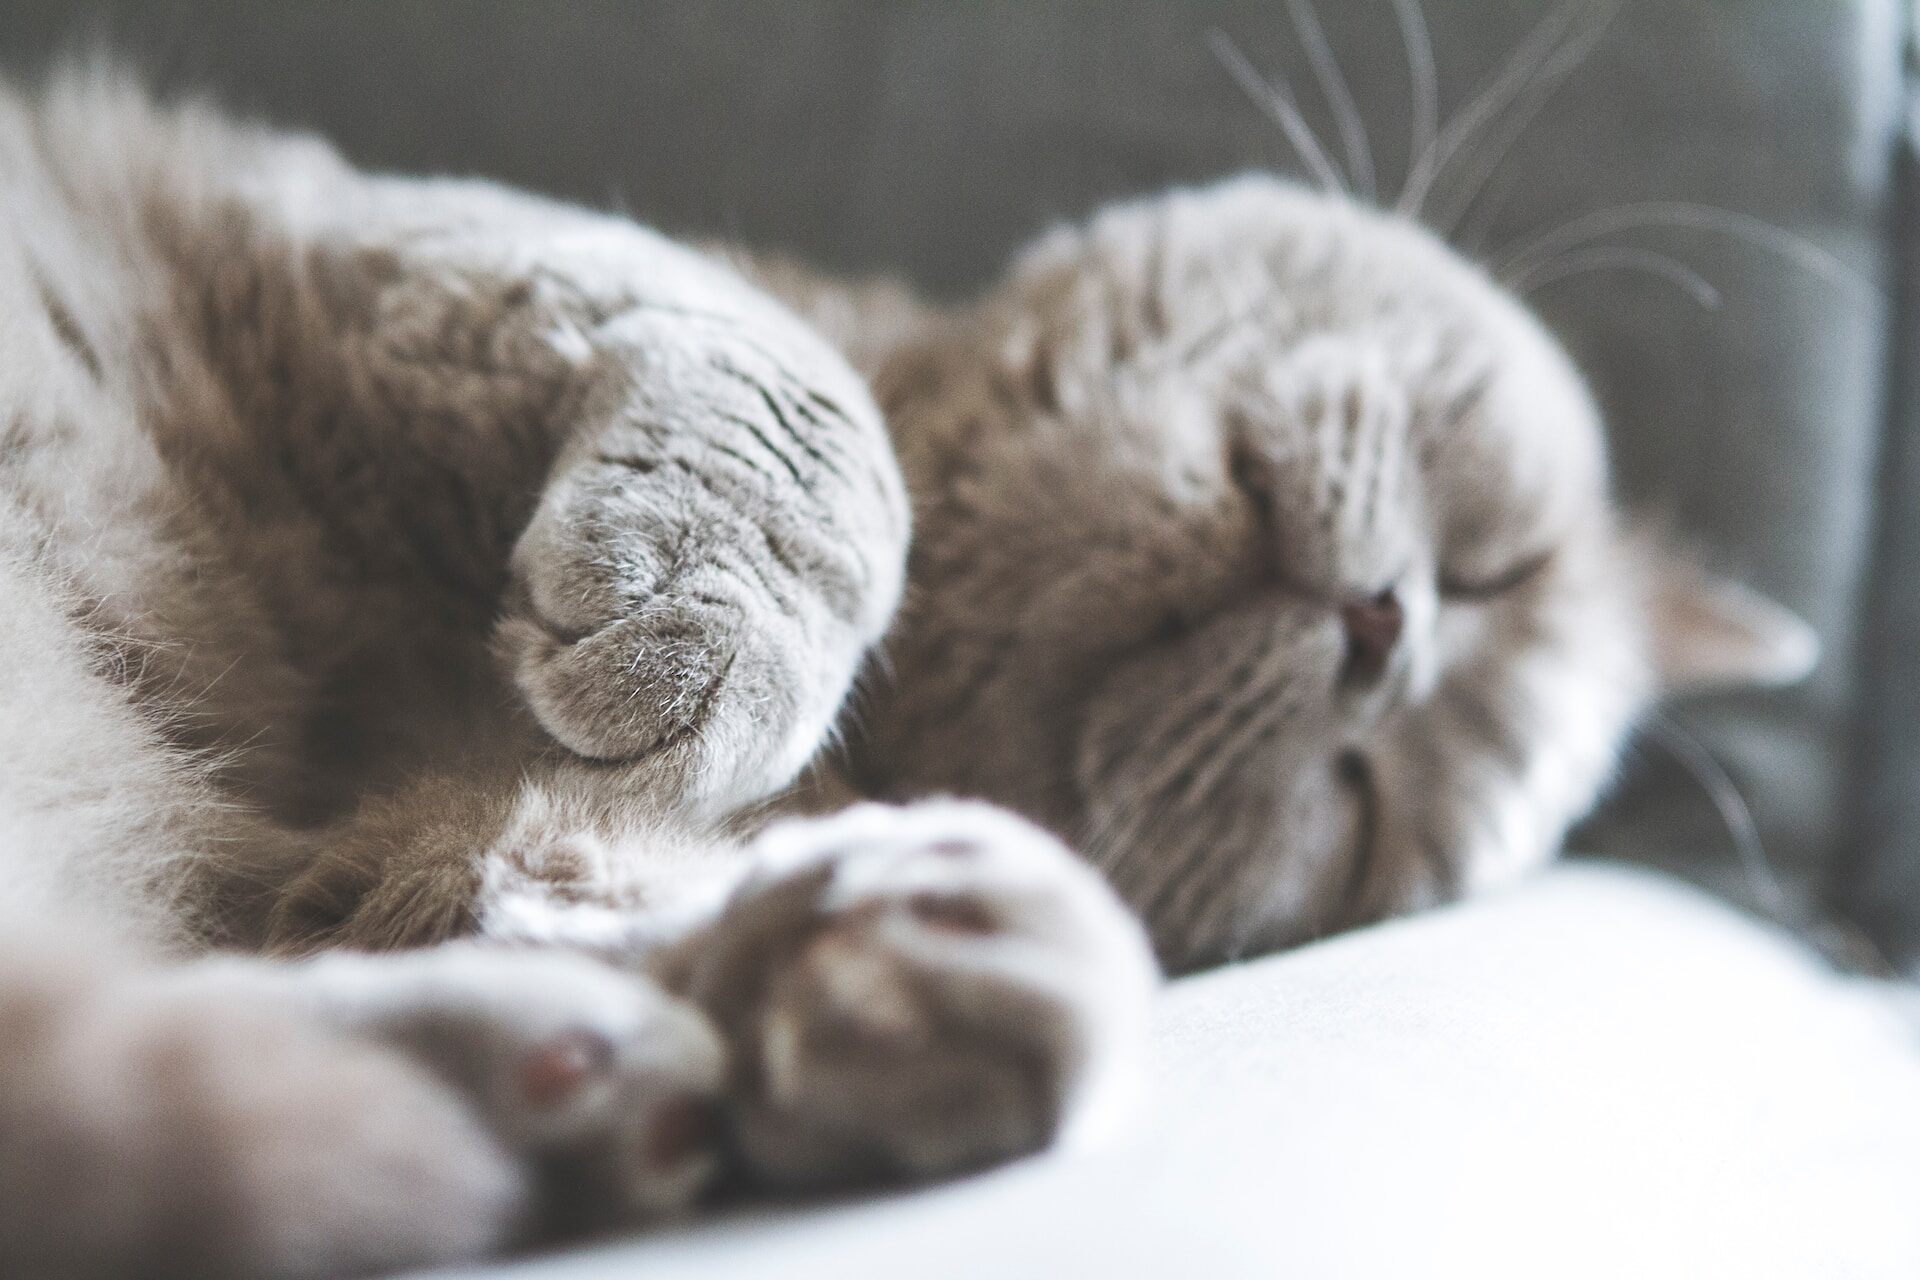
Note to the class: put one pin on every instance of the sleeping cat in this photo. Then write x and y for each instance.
(416, 564)
(1268, 543)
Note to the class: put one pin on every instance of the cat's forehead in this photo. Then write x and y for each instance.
(1256, 260)
(1257, 309)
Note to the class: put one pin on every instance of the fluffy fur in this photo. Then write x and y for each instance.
(390, 561)
(1156, 474)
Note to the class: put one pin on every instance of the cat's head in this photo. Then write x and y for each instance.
(1264, 549)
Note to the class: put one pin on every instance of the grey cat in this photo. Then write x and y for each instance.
(394, 564)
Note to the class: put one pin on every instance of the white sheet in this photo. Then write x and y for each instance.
(1600, 1073)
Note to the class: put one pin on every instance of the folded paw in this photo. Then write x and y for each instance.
(709, 694)
(695, 590)
(911, 992)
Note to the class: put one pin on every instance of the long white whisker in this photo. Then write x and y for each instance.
(1275, 100)
(1513, 77)
(1674, 213)
(1423, 83)
(1844, 942)
(1471, 236)
(1733, 811)
(1618, 257)
(1546, 80)
(1333, 86)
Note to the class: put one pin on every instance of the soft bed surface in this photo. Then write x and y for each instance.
(1601, 1073)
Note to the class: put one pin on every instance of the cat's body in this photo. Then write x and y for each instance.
(274, 432)
(387, 561)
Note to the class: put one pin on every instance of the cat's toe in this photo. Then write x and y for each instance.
(910, 992)
(622, 1117)
(596, 1078)
(706, 706)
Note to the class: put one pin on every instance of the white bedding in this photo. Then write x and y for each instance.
(1601, 1073)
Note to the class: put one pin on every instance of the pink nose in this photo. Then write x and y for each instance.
(1373, 629)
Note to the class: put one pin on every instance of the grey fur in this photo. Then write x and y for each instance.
(1149, 470)
(389, 561)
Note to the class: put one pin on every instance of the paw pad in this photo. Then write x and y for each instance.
(557, 1070)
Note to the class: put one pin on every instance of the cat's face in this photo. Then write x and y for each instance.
(1263, 548)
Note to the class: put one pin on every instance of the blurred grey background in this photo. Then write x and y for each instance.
(931, 137)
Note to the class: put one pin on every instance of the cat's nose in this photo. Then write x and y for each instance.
(1373, 626)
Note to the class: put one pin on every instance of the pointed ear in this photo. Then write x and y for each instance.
(1709, 632)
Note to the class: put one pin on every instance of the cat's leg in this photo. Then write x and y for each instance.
(900, 991)
(243, 1117)
(202, 1136)
(152, 1132)
(678, 500)
(593, 1079)
(903, 992)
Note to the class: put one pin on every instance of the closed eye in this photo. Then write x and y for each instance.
(1474, 589)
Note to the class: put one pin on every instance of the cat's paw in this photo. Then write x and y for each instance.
(693, 609)
(911, 992)
(178, 1130)
(596, 1078)
(708, 702)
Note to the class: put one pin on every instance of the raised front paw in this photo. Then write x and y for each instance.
(605, 1086)
(911, 992)
(698, 585)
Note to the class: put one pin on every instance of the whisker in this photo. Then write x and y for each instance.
(1423, 83)
(1621, 258)
(1181, 909)
(1339, 95)
(1678, 214)
(1222, 927)
(1471, 236)
(1508, 83)
(1155, 896)
(1546, 80)
(1735, 814)
(1277, 102)
(1844, 942)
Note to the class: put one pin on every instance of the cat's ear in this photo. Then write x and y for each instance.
(1709, 632)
